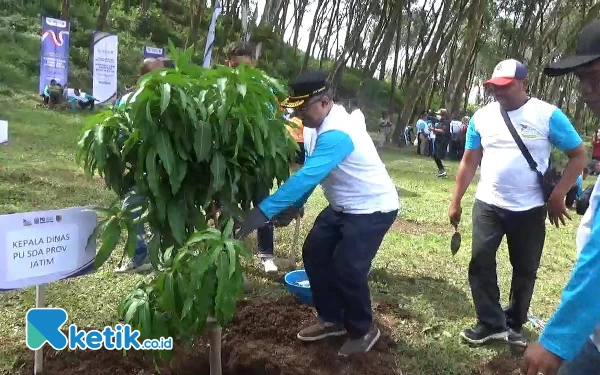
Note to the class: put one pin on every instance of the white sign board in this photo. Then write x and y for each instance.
(42, 247)
(105, 66)
(3, 132)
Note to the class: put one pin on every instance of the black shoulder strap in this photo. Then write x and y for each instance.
(532, 164)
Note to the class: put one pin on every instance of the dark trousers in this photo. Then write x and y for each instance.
(264, 235)
(418, 143)
(337, 258)
(586, 362)
(525, 234)
(87, 104)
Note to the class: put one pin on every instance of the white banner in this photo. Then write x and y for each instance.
(210, 39)
(105, 66)
(3, 132)
(42, 247)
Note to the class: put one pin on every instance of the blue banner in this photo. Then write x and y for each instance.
(54, 59)
(153, 52)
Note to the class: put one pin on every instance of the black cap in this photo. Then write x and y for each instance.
(588, 50)
(305, 86)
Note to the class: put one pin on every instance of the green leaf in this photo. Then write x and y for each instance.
(152, 172)
(242, 88)
(110, 238)
(228, 231)
(232, 257)
(176, 215)
(168, 296)
(153, 249)
(217, 167)
(207, 234)
(132, 310)
(177, 178)
(131, 240)
(203, 140)
(165, 97)
(165, 150)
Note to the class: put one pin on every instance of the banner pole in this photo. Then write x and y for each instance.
(40, 302)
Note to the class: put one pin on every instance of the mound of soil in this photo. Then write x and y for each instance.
(504, 364)
(261, 340)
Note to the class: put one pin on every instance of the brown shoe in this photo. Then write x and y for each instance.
(320, 331)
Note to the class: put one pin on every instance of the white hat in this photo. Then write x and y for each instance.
(507, 71)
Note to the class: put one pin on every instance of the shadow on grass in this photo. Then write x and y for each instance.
(445, 299)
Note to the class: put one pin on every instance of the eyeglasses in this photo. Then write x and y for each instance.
(306, 105)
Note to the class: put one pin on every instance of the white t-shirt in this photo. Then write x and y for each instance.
(359, 118)
(506, 180)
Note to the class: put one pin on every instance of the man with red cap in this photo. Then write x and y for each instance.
(512, 138)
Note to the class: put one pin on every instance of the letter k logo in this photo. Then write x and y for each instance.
(43, 325)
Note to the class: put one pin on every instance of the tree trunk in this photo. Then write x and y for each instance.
(459, 75)
(441, 39)
(145, 6)
(395, 68)
(312, 33)
(196, 19)
(64, 10)
(102, 15)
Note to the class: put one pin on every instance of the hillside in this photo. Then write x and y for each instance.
(20, 24)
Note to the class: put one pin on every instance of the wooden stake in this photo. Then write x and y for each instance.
(40, 302)
(214, 339)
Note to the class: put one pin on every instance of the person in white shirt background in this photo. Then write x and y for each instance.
(509, 199)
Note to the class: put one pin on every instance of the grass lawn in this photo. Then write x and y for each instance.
(414, 269)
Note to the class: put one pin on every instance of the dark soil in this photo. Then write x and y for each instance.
(261, 340)
(504, 364)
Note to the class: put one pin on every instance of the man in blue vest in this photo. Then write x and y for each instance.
(363, 204)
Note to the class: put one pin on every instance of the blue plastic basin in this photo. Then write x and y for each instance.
(303, 293)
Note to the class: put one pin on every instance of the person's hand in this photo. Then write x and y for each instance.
(557, 210)
(537, 360)
(284, 218)
(253, 220)
(454, 213)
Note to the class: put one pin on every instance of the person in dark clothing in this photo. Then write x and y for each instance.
(442, 137)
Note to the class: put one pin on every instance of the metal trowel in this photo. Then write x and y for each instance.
(455, 241)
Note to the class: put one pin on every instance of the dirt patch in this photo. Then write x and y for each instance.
(261, 340)
(419, 229)
(504, 364)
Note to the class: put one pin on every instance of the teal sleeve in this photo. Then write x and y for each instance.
(579, 310)
(331, 149)
(473, 138)
(562, 133)
(46, 91)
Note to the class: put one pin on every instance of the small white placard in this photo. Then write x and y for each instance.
(43, 247)
(3, 132)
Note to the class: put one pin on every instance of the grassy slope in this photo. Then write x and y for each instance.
(414, 268)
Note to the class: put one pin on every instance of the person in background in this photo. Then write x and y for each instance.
(463, 136)
(83, 99)
(421, 127)
(509, 199)
(46, 93)
(596, 145)
(363, 204)
(140, 262)
(455, 129)
(242, 52)
(432, 122)
(442, 138)
(298, 134)
(357, 114)
(385, 128)
(570, 341)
